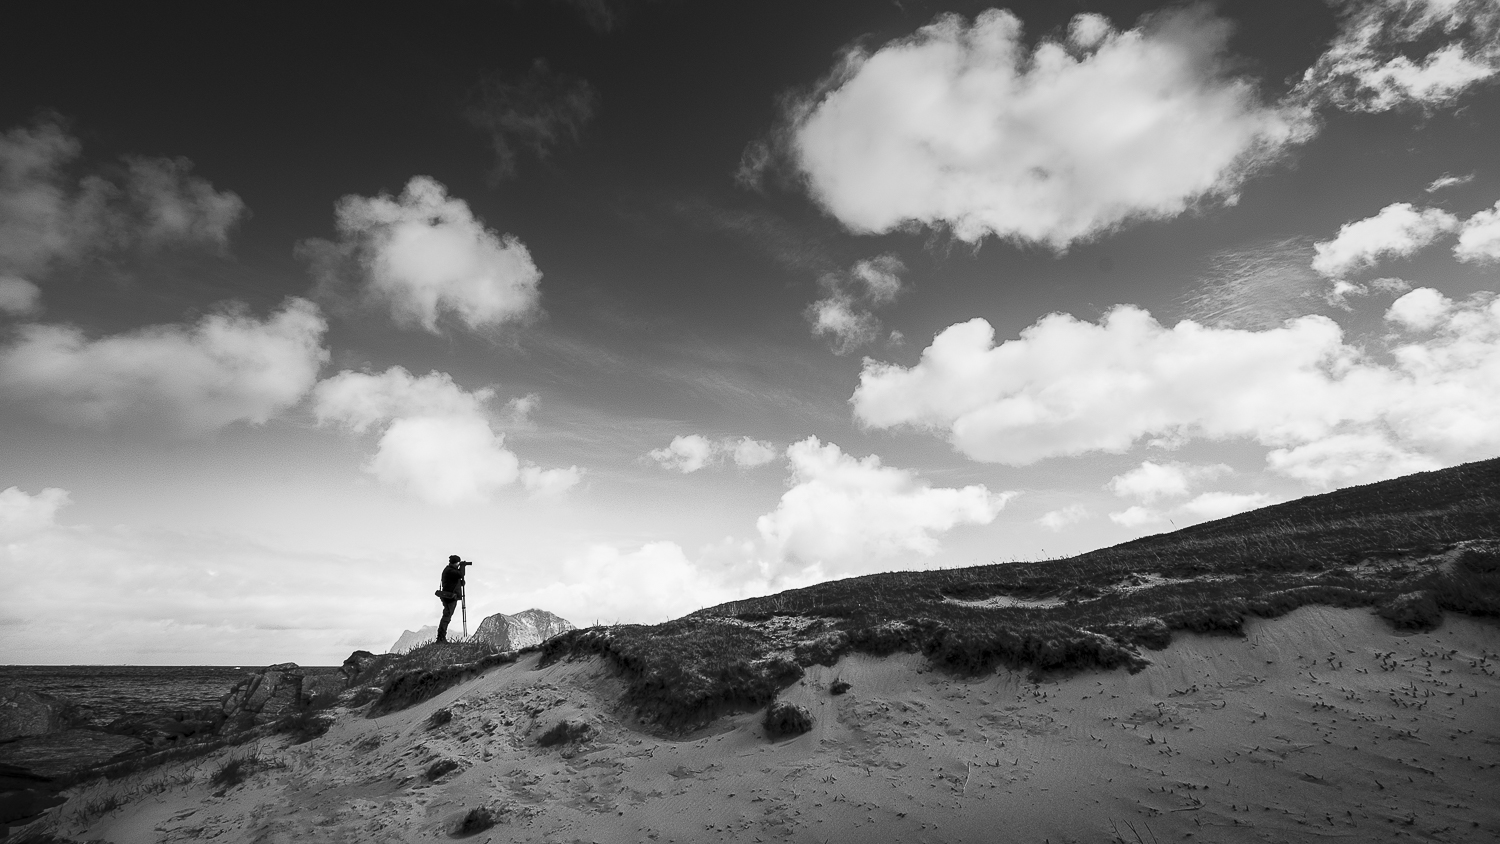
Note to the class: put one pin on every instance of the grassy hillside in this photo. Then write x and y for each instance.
(1410, 548)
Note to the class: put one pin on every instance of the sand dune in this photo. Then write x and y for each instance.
(1323, 724)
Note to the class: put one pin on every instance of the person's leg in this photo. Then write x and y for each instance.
(447, 617)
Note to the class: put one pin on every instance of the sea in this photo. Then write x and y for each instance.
(106, 692)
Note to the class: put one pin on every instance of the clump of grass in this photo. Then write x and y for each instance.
(567, 731)
(838, 687)
(240, 768)
(234, 771)
(306, 725)
(432, 669)
(685, 672)
(1412, 611)
(439, 717)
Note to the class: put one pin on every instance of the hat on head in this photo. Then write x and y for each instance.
(453, 558)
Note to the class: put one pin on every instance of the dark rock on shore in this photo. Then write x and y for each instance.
(27, 713)
(271, 694)
(355, 665)
(167, 728)
(66, 752)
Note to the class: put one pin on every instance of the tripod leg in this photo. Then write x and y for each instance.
(463, 597)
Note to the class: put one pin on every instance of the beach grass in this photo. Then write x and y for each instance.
(1410, 548)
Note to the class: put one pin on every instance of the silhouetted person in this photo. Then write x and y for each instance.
(453, 588)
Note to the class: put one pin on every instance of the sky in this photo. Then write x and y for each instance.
(647, 305)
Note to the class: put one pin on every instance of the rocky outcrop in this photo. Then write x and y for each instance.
(356, 665)
(414, 639)
(522, 630)
(27, 713)
(260, 698)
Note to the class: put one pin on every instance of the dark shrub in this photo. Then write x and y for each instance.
(476, 821)
(787, 719)
(567, 731)
(1480, 557)
(1412, 611)
(838, 687)
(234, 772)
(439, 717)
(1217, 617)
(412, 687)
(306, 725)
(437, 769)
(1468, 591)
(1149, 632)
(824, 650)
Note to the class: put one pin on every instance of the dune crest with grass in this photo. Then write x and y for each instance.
(1327, 667)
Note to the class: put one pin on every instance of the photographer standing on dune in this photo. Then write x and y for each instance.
(451, 592)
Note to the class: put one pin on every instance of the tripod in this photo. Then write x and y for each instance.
(463, 600)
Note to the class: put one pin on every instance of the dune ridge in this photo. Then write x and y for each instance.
(1323, 724)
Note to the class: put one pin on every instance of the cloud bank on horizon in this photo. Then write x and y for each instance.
(640, 417)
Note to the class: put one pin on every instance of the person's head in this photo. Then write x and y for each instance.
(453, 559)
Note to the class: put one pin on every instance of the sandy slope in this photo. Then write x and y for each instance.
(1321, 725)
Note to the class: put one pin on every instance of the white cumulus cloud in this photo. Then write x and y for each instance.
(424, 256)
(1479, 239)
(1056, 520)
(1391, 53)
(22, 514)
(1068, 387)
(964, 127)
(189, 379)
(1217, 505)
(1204, 507)
(1151, 481)
(436, 439)
(688, 453)
(550, 483)
(845, 515)
(1420, 310)
(749, 453)
(1398, 229)
(651, 583)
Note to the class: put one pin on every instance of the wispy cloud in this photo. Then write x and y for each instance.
(1393, 53)
(1447, 181)
(49, 216)
(845, 314)
(535, 111)
(1258, 287)
(787, 244)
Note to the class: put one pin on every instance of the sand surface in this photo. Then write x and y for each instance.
(1325, 724)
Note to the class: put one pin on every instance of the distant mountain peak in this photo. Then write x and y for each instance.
(414, 638)
(507, 632)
